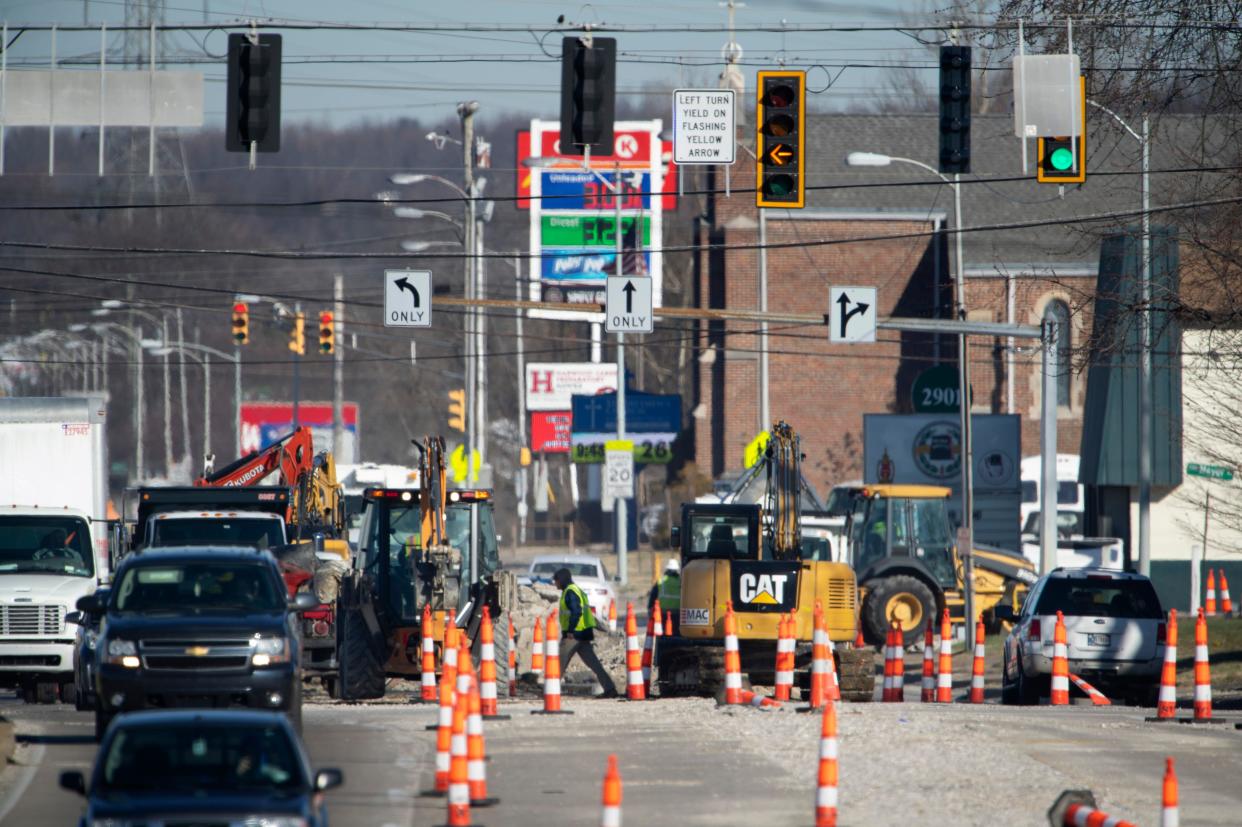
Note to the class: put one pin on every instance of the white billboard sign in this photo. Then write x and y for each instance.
(550, 386)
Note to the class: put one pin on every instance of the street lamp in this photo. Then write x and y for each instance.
(875, 159)
(411, 246)
(203, 354)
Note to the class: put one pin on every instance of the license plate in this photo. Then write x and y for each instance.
(1097, 640)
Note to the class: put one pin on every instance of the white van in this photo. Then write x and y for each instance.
(1069, 491)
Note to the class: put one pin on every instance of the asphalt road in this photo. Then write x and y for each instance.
(688, 761)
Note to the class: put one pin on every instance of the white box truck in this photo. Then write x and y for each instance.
(53, 535)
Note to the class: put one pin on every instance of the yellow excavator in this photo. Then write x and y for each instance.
(752, 554)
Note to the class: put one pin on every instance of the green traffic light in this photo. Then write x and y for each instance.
(1061, 159)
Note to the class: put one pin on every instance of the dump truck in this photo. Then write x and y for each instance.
(753, 555)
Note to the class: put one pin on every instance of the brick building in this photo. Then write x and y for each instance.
(886, 227)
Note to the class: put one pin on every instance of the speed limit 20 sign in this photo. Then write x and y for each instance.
(618, 469)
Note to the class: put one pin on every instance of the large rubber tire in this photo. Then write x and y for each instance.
(900, 597)
(1009, 686)
(361, 673)
(1029, 689)
(69, 693)
(856, 674)
(294, 712)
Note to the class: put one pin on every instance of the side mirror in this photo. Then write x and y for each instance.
(674, 537)
(327, 779)
(89, 604)
(1005, 613)
(73, 781)
(303, 602)
(74, 617)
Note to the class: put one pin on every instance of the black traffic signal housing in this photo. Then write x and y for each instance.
(780, 142)
(252, 109)
(297, 335)
(327, 333)
(1055, 157)
(588, 94)
(955, 109)
(241, 323)
(457, 409)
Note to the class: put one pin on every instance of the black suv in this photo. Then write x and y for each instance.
(198, 627)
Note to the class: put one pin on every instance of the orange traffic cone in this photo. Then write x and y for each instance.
(476, 752)
(459, 772)
(826, 789)
(552, 678)
(858, 637)
(1203, 670)
(487, 668)
(536, 649)
(929, 666)
(448, 669)
(785, 655)
(1209, 604)
(635, 688)
(512, 660)
(612, 617)
(976, 674)
(886, 689)
(944, 678)
(612, 795)
(1087, 815)
(1059, 690)
(465, 667)
(444, 742)
(429, 658)
(1168, 796)
(732, 658)
(654, 630)
(821, 659)
(1097, 697)
(1226, 603)
(832, 682)
(756, 700)
(1166, 704)
(899, 663)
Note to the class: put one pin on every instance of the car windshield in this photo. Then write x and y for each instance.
(198, 759)
(546, 570)
(46, 545)
(1099, 597)
(1069, 523)
(261, 532)
(197, 586)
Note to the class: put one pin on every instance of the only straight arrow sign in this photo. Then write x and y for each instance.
(855, 314)
(403, 283)
(628, 290)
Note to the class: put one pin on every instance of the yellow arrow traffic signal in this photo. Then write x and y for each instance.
(781, 140)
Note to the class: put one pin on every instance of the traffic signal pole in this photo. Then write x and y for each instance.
(620, 511)
(765, 411)
(963, 407)
(338, 370)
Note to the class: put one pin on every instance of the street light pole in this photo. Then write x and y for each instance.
(620, 511)
(185, 397)
(465, 112)
(168, 442)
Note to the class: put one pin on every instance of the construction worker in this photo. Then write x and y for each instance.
(668, 592)
(578, 630)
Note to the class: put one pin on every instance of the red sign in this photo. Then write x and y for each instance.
(631, 152)
(262, 423)
(550, 431)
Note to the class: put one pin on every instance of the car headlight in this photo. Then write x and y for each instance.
(269, 650)
(123, 653)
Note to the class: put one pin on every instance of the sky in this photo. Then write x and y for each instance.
(346, 77)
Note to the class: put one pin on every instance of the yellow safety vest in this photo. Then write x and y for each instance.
(586, 620)
(670, 592)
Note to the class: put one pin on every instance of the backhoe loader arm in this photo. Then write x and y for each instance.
(291, 455)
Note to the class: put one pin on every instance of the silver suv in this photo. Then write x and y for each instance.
(1114, 628)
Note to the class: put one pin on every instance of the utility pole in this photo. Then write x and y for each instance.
(963, 393)
(1145, 370)
(522, 481)
(168, 445)
(139, 416)
(338, 369)
(185, 397)
(465, 111)
(480, 344)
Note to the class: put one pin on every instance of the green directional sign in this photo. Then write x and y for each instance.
(935, 390)
(587, 230)
(1211, 472)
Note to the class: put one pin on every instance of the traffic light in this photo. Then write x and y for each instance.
(241, 324)
(781, 140)
(955, 109)
(297, 335)
(1055, 156)
(327, 332)
(252, 110)
(457, 409)
(588, 94)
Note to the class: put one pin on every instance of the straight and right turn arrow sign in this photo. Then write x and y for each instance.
(851, 314)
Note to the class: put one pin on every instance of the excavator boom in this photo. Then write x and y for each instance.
(291, 455)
